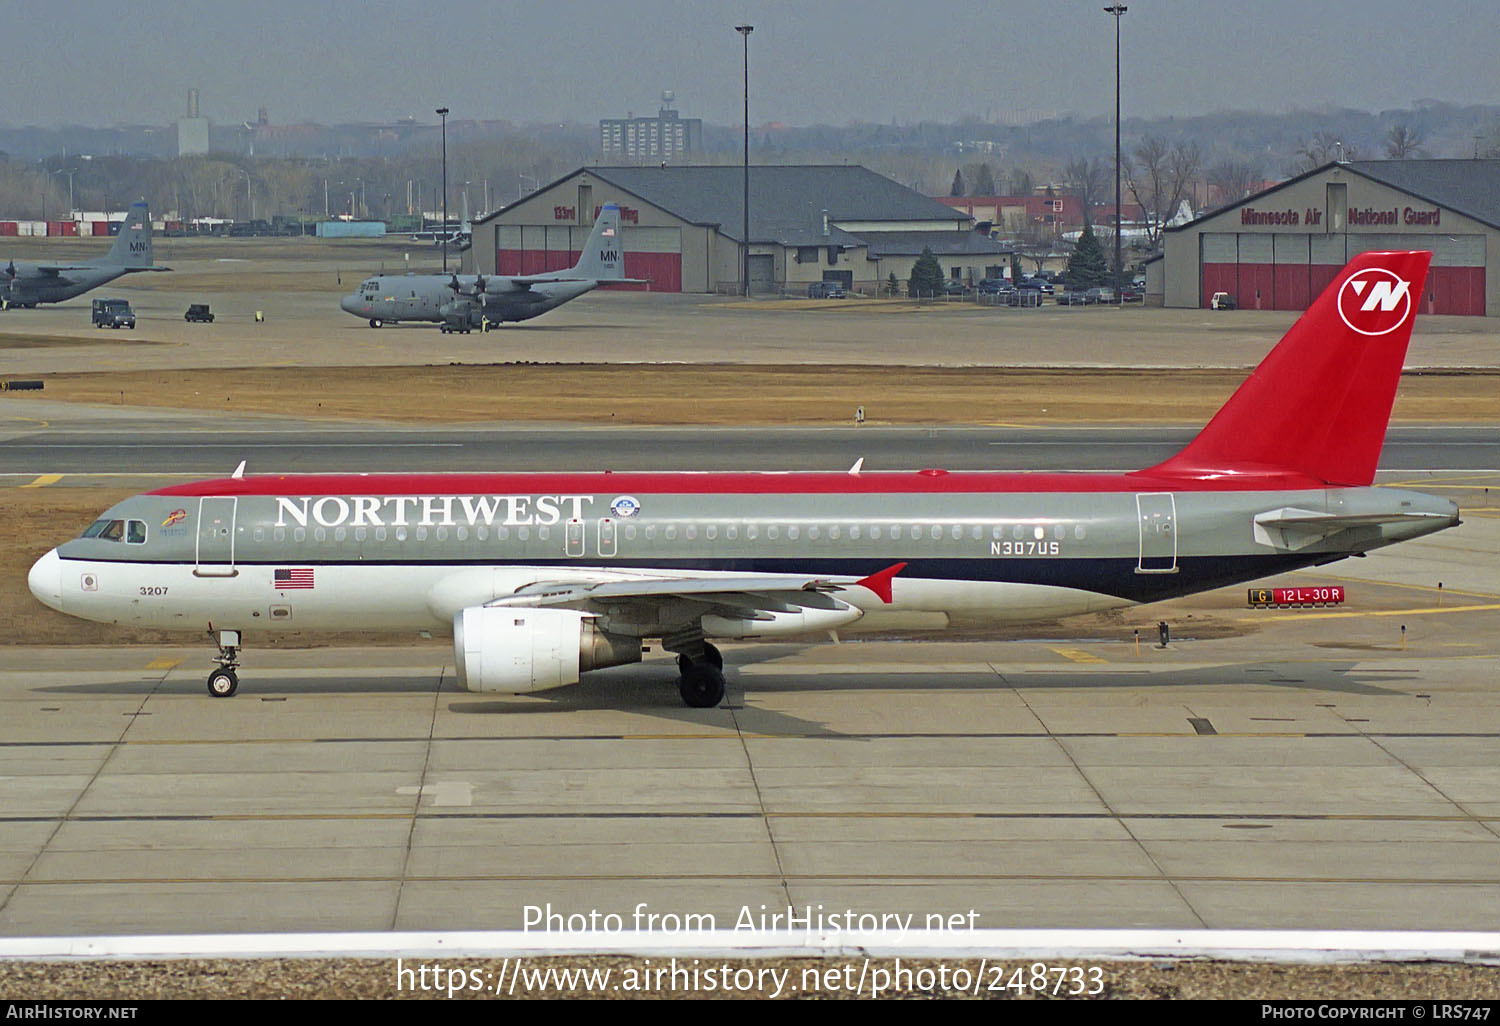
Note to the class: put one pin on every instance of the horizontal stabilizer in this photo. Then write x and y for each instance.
(1290, 529)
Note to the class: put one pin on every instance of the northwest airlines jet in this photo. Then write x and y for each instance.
(541, 577)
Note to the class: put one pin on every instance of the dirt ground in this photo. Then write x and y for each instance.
(729, 394)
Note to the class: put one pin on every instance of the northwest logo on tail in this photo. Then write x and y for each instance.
(1374, 301)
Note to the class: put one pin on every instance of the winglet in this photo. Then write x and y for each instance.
(239, 471)
(880, 583)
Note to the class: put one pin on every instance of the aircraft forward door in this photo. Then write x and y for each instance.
(215, 550)
(1156, 514)
(573, 540)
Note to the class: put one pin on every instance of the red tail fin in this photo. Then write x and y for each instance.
(1319, 403)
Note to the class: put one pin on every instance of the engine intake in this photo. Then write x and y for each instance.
(512, 650)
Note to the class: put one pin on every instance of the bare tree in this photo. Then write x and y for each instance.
(1323, 148)
(1160, 176)
(1087, 179)
(1232, 180)
(981, 180)
(1021, 182)
(1038, 244)
(1403, 142)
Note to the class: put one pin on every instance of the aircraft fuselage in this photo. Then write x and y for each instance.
(393, 298)
(406, 554)
(30, 287)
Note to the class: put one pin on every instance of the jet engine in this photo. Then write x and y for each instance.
(515, 650)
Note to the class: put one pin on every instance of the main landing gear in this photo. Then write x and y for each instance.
(223, 683)
(376, 322)
(702, 683)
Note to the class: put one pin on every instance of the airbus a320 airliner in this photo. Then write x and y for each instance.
(541, 577)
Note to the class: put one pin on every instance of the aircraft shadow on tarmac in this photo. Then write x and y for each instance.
(652, 686)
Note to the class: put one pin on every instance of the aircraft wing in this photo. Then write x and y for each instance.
(542, 279)
(572, 593)
(681, 603)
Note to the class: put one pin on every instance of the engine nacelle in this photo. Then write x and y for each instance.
(515, 650)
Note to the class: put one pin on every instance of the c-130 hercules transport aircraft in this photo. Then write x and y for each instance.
(464, 302)
(541, 577)
(28, 284)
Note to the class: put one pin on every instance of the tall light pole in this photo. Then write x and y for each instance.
(249, 196)
(744, 31)
(1118, 10)
(442, 112)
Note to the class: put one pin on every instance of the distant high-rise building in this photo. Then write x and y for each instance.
(647, 140)
(192, 131)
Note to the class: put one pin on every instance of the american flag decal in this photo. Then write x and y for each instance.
(296, 577)
(608, 233)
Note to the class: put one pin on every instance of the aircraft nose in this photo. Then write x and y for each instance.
(350, 304)
(45, 580)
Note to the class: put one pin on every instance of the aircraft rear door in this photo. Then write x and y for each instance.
(1156, 513)
(216, 537)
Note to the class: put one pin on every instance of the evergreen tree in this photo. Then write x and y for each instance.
(984, 181)
(926, 276)
(1087, 266)
(958, 183)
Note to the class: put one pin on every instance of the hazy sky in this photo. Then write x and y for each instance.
(830, 62)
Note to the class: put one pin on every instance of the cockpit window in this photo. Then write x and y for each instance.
(131, 531)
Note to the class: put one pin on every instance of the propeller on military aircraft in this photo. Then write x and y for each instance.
(10, 269)
(454, 285)
(479, 284)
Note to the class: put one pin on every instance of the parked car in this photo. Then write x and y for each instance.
(1222, 301)
(954, 287)
(1133, 294)
(826, 290)
(113, 313)
(1074, 297)
(198, 313)
(1036, 284)
(1101, 294)
(995, 287)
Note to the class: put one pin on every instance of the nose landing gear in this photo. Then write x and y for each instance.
(223, 683)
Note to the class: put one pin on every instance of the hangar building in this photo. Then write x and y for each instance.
(681, 228)
(1278, 249)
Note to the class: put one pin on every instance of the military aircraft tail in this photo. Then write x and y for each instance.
(132, 247)
(1320, 402)
(603, 259)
